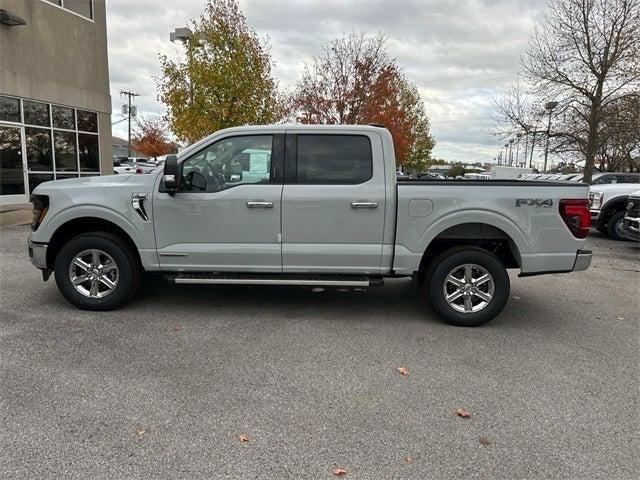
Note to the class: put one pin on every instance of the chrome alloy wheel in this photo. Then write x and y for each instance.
(93, 273)
(468, 288)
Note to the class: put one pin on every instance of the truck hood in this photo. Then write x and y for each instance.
(614, 190)
(103, 181)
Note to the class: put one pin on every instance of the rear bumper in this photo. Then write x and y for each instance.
(583, 260)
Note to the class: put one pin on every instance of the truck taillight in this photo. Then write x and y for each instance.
(575, 213)
(139, 170)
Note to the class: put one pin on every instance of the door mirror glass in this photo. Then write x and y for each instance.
(171, 178)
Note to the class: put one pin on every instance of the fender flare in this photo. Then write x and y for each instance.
(487, 217)
(97, 212)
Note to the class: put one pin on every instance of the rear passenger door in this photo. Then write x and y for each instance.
(333, 203)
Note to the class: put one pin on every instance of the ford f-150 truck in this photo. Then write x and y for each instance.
(304, 205)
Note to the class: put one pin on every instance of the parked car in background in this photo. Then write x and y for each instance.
(432, 176)
(608, 205)
(603, 178)
(631, 222)
(145, 167)
(121, 165)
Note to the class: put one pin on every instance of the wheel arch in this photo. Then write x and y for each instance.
(614, 206)
(80, 225)
(477, 234)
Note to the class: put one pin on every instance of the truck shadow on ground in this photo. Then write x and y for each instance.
(400, 300)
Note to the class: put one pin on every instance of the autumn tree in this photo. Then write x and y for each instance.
(226, 79)
(151, 137)
(586, 57)
(354, 81)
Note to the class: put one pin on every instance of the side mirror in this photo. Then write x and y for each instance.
(171, 177)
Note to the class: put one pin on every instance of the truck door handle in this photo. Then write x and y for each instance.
(253, 204)
(364, 204)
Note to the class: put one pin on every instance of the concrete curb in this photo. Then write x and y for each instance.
(13, 215)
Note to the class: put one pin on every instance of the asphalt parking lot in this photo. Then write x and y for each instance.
(165, 387)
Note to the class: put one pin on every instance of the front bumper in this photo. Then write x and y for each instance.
(583, 260)
(631, 228)
(595, 215)
(38, 254)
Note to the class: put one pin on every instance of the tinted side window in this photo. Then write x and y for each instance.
(630, 179)
(334, 159)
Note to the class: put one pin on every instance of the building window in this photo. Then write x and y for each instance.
(64, 146)
(9, 109)
(84, 8)
(59, 141)
(87, 121)
(36, 113)
(39, 155)
(63, 117)
(89, 152)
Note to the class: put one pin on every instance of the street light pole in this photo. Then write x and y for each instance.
(182, 35)
(549, 106)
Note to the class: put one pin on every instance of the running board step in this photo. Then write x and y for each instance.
(282, 279)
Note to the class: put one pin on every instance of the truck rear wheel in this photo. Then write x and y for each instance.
(468, 286)
(97, 271)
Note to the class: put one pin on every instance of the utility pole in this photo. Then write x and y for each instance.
(129, 95)
(549, 106)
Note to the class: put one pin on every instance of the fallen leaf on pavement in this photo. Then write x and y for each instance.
(140, 431)
(408, 459)
(244, 438)
(339, 472)
(178, 328)
(461, 412)
(485, 441)
(403, 371)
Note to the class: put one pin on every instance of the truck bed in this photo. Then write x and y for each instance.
(526, 214)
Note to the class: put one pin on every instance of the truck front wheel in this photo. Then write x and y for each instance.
(97, 271)
(468, 286)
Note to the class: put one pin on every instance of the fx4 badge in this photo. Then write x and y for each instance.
(535, 202)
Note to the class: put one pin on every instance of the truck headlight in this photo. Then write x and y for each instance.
(595, 200)
(40, 208)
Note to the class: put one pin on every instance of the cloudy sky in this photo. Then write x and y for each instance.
(459, 53)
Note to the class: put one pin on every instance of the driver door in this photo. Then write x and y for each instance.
(226, 214)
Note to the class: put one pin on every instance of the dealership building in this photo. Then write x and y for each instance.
(55, 105)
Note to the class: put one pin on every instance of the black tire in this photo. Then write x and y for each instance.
(128, 268)
(614, 224)
(455, 257)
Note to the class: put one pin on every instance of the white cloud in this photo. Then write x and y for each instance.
(459, 53)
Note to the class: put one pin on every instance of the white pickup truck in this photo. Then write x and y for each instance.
(304, 205)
